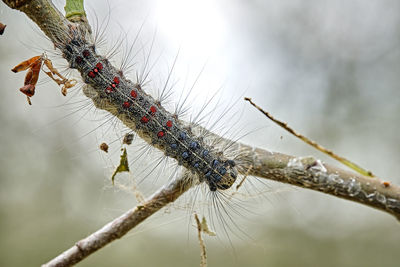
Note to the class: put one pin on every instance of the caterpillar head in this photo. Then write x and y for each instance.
(222, 176)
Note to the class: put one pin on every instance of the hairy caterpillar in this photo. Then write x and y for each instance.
(140, 112)
(188, 143)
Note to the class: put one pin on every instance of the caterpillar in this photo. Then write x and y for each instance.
(146, 116)
(329, 211)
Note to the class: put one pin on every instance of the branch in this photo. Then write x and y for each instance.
(303, 172)
(121, 225)
(312, 174)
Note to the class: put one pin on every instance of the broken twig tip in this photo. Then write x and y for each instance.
(342, 160)
(203, 252)
(2, 28)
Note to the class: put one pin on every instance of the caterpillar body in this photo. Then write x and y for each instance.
(146, 116)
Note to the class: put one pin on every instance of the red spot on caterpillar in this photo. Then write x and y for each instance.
(133, 94)
(169, 124)
(385, 184)
(78, 59)
(126, 104)
(116, 80)
(86, 53)
(91, 74)
(99, 66)
(113, 85)
(95, 70)
(160, 134)
(144, 119)
(153, 109)
(109, 90)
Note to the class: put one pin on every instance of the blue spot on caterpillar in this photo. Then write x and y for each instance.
(142, 113)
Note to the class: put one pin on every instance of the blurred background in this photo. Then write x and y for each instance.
(329, 68)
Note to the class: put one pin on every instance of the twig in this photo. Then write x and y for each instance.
(285, 126)
(121, 225)
(203, 254)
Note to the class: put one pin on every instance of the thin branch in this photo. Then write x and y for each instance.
(203, 252)
(303, 172)
(285, 126)
(121, 225)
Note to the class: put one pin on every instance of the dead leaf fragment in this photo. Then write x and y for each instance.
(128, 138)
(28, 90)
(104, 147)
(24, 65)
(66, 84)
(123, 165)
(2, 28)
(205, 228)
(33, 65)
